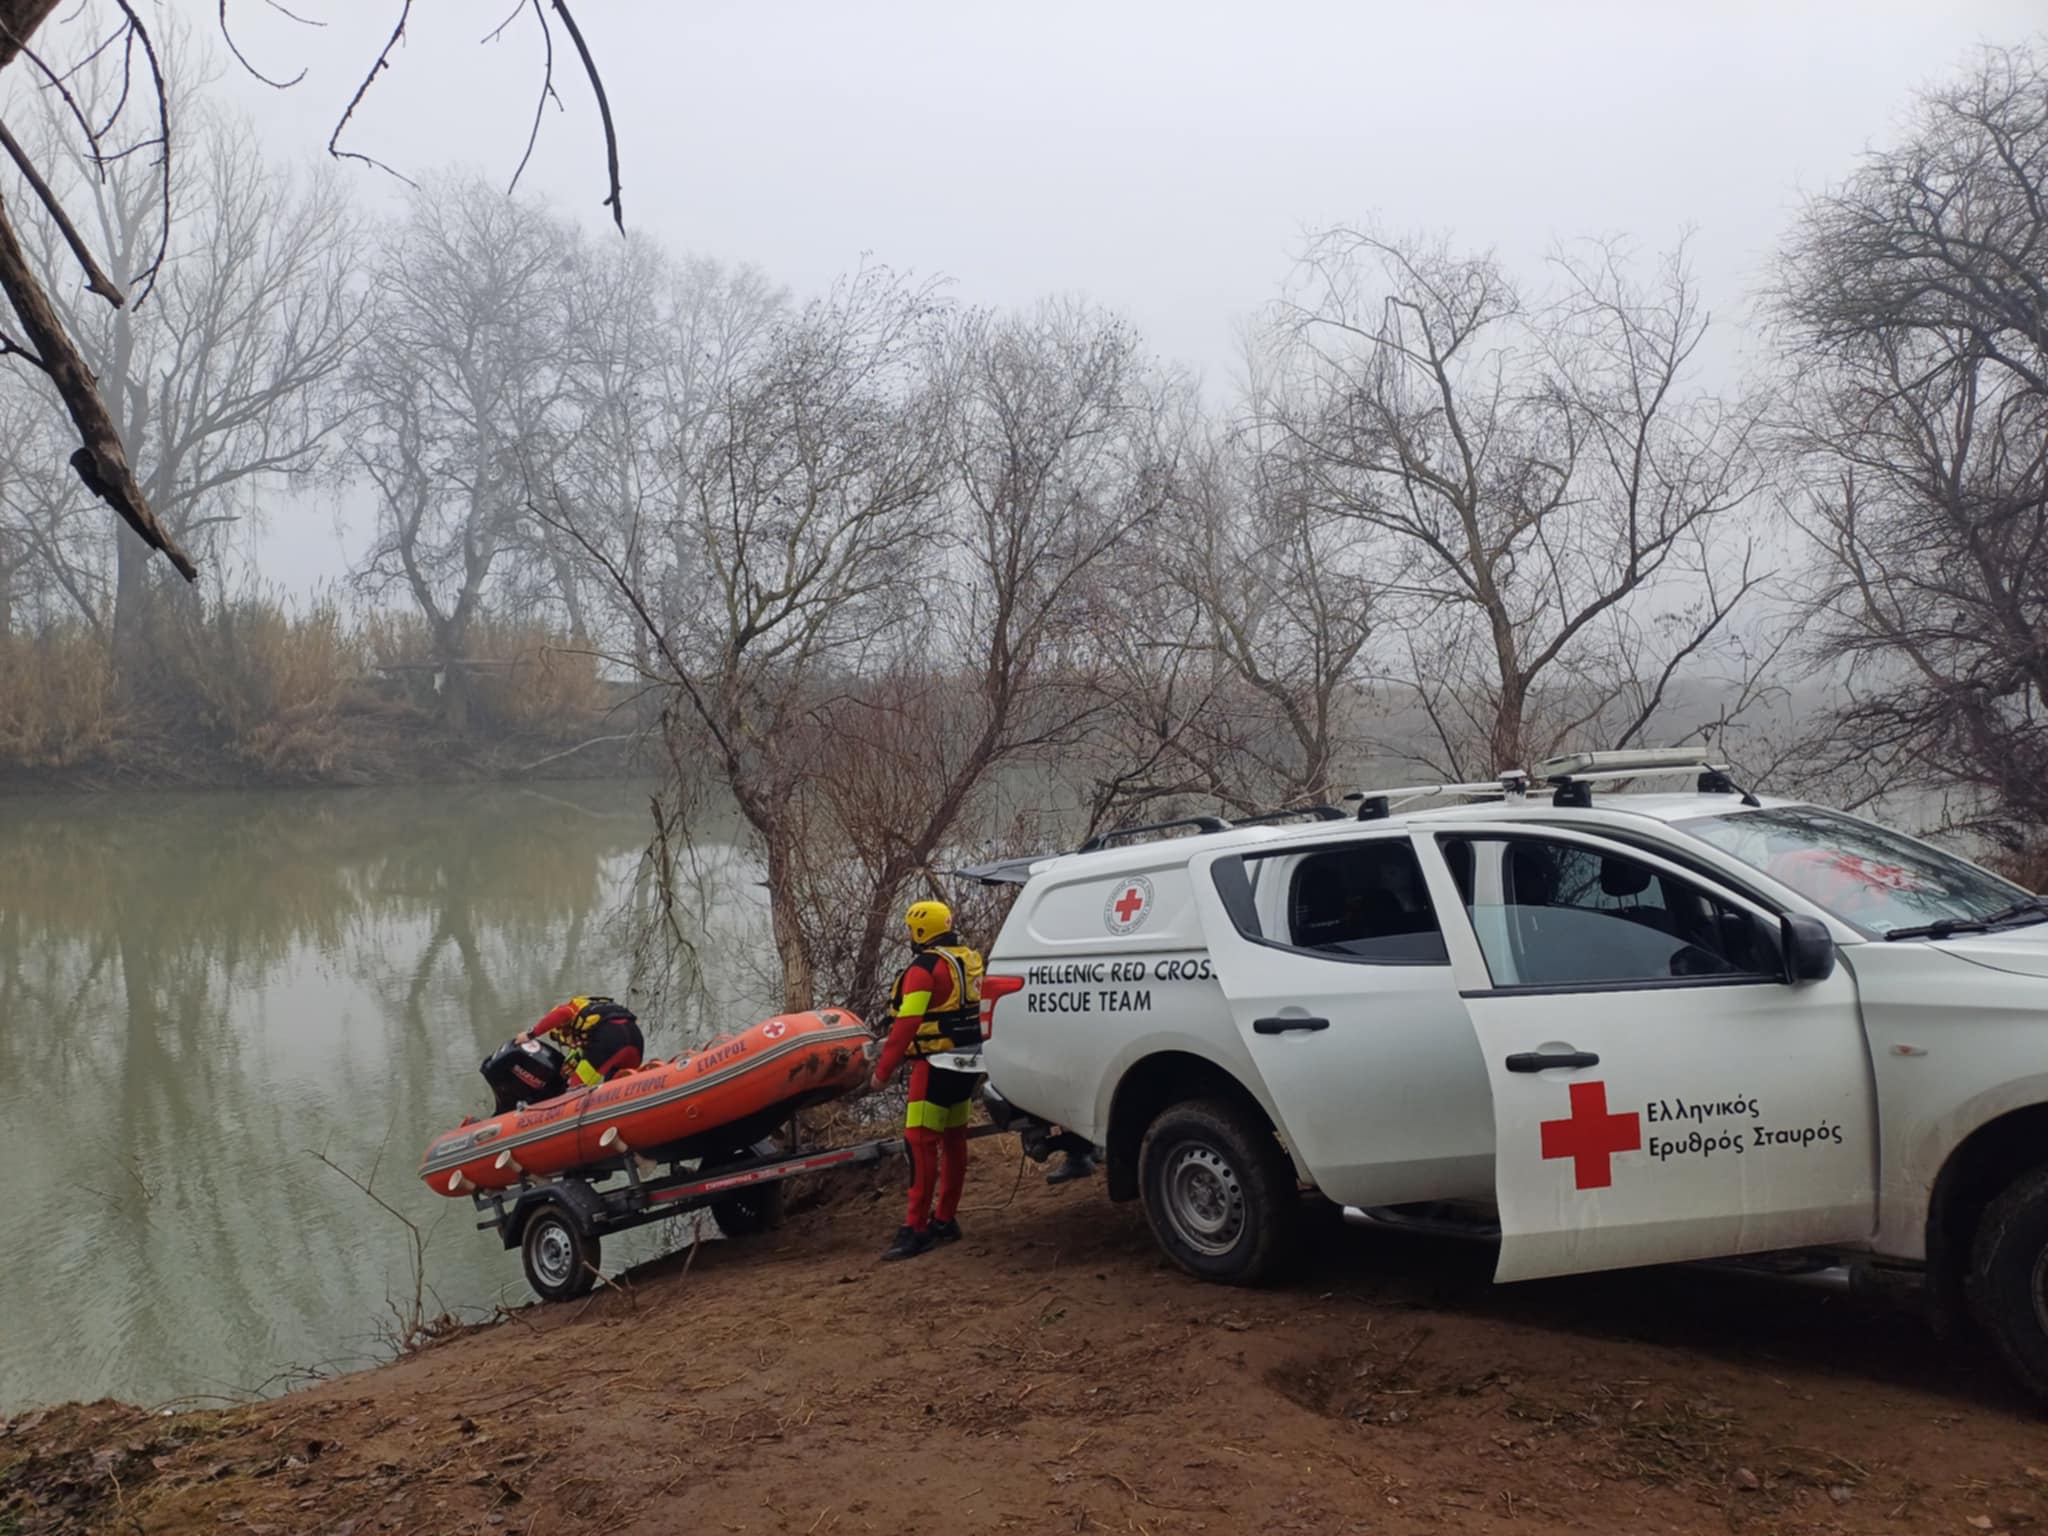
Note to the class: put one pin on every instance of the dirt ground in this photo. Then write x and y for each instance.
(1052, 1374)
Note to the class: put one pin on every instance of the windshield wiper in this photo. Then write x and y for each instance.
(2033, 909)
(1942, 929)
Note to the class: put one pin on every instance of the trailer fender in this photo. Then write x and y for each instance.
(577, 1200)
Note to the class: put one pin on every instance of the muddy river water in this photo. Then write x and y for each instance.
(201, 994)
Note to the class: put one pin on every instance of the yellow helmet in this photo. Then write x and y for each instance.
(927, 920)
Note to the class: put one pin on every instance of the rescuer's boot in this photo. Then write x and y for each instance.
(947, 1231)
(909, 1244)
(1076, 1165)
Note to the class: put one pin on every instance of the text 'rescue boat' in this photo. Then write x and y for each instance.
(722, 1097)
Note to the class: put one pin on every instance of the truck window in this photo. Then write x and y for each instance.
(1572, 916)
(1362, 901)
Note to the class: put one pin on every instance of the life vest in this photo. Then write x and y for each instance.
(591, 1012)
(952, 1022)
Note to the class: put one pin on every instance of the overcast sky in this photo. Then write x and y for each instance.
(1162, 156)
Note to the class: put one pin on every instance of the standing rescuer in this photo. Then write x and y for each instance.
(937, 1008)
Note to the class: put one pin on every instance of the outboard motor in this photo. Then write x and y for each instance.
(525, 1074)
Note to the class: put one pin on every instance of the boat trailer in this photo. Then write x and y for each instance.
(557, 1223)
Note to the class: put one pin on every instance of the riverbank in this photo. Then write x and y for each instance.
(1052, 1373)
(248, 694)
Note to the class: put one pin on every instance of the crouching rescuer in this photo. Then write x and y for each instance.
(937, 1007)
(601, 1037)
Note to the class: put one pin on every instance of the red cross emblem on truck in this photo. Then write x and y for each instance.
(1129, 902)
(1592, 1136)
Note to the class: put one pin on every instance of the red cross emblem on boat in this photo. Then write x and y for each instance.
(1592, 1136)
(774, 1029)
(1130, 900)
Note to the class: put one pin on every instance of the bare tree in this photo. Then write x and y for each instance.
(1555, 496)
(47, 343)
(1912, 304)
(223, 385)
(1055, 465)
(770, 581)
(464, 401)
(653, 342)
(1281, 581)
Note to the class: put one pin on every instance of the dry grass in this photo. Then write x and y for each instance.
(57, 707)
(254, 688)
(537, 685)
(268, 687)
(529, 681)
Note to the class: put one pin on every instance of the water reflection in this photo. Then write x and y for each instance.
(196, 991)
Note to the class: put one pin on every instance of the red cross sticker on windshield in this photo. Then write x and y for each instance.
(1127, 904)
(1592, 1136)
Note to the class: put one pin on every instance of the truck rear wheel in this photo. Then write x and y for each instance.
(756, 1208)
(560, 1261)
(1218, 1192)
(2008, 1283)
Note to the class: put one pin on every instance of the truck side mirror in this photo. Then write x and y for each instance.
(1809, 948)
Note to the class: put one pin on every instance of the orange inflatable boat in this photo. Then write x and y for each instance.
(712, 1102)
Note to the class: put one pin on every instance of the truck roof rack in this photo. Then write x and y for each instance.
(1313, 812)
(1573, 776)
(1378, 804)
(1200, 823)
(1016, 869)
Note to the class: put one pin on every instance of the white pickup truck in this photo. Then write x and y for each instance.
(1626, 1028)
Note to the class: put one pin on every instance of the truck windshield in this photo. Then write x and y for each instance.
(1877, 880)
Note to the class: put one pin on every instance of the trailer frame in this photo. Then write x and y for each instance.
(575, 1213)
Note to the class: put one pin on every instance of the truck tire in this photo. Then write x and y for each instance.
(2008, 1281)
(1218, 1192)
(559, 1260)
(747, 1211)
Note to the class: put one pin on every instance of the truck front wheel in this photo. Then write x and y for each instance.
(2008, 1284)
(1218, 1192)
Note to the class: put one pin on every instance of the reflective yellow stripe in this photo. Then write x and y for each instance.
(586, 1073)
(924, 1115)
(914, 1005)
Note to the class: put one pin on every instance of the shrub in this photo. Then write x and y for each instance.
(266, 686)
(531, 684)
(57, 707)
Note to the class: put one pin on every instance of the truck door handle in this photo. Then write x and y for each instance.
(1281, 1025)
(1539, 1061)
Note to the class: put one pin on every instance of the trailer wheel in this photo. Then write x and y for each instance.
(748, 1211)
(1219, 1193)
(560, 1261)
(2008, 1281)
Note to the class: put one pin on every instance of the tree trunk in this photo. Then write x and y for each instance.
(131, 606)
(799, 982)
(450, 643)
(18, 22)
(1506, 744)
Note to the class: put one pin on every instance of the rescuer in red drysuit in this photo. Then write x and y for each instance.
(601, 1037)
(937, 1008)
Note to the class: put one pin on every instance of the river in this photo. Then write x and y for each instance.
(201, 992)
